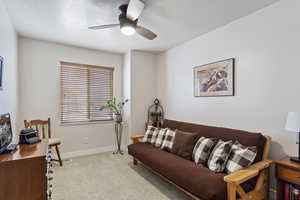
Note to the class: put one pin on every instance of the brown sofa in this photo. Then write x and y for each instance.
(199, 182)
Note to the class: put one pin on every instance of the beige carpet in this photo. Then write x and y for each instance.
(110, 177)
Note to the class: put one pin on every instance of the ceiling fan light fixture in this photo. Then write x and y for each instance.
(128, 30)
(128, 19)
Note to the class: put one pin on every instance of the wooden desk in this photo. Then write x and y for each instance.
(23, 173)
(286, 171)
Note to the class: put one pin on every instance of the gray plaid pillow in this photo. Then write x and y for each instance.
(149, 134)
(168, 141)
(154, 136)
(202, 150)
(160, 137)
(219, 156)
(240, 157)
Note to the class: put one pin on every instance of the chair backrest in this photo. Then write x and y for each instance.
(40, 125)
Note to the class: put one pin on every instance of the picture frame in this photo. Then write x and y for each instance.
(215, 79)
(1, 72)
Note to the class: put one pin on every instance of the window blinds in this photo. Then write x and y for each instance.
(84, 89)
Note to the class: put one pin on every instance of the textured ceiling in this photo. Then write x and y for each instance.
(174, 21)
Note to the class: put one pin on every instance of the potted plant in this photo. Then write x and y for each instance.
(116, 108)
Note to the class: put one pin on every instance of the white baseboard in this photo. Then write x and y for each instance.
(88, 152)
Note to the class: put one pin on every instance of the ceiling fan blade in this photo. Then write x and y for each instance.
(135, 8)
(145, 33)
(103, 26)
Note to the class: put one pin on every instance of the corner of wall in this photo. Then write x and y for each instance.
(140, 82)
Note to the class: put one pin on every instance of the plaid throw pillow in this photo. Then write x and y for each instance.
(149, 134)
(160, 137)
(168, 141)
(240, 157)
(154, 136)
(202, 150)
(219, 156)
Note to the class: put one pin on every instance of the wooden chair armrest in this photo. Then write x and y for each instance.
(247, 173)
(136, 138)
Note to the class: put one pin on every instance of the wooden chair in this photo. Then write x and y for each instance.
(53, 142)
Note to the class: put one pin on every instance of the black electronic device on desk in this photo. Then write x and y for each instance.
(6, 135)
(29, 136)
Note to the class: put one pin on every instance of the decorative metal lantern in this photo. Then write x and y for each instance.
(155, 114)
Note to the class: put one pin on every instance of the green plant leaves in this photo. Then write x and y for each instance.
(113, 106)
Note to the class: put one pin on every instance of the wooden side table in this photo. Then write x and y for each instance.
(286, 171)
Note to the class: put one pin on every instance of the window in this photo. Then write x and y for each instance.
(84, 89)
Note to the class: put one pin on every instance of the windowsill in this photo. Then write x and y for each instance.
(87, 123)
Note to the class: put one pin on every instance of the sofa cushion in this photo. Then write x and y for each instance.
(184, 143)
(150, 134)
(160, 137)
(219, 156)
(240, 157)
(202, 150)
(200, 181)
(244, 137)
(168, 142)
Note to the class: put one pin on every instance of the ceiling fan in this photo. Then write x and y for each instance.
(128, 20)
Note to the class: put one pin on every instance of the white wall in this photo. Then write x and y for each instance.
(40, 90)
(266, 46)
(8, 50)
(139, 86)
(127, 95)
(143, 88)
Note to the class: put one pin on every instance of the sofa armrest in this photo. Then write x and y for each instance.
(246, 174)
(136, 138)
